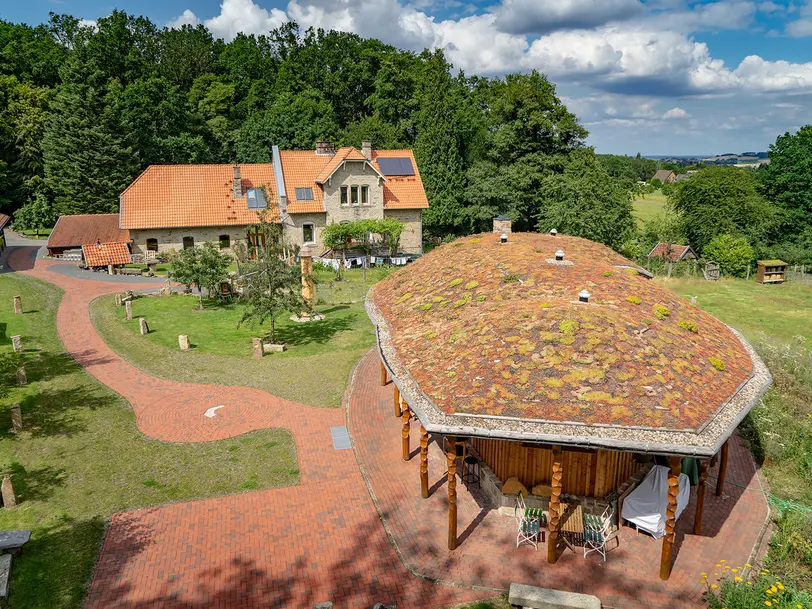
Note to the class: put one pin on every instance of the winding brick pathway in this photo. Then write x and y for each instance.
(323, 540)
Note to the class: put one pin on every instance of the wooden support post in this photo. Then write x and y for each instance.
(405, 432)
(675, 469)
(424, 462)
(398, 410)
(555, 505)
(18, 305)
(700, 497)
(720, 480)
(383, 374)
(451, 455)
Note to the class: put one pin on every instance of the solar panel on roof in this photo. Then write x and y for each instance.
(304, 194)
(396, 166)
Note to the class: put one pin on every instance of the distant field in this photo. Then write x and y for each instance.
(648, 207)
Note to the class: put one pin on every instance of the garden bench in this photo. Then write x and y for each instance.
(126, 271)
(5, 571)
(544, 598)
(10, 543)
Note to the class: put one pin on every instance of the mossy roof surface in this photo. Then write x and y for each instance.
(497, 330)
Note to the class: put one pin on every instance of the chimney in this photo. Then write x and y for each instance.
(502, 224)
(366, 149)
(325, 148)
(237, 183)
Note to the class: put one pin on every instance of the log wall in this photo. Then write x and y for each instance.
(592, 474)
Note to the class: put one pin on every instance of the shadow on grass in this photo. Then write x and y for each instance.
(319, 332)
(35, 484)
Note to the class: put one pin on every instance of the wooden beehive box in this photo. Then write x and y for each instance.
(771, 271)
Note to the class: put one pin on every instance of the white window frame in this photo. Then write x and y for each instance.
(357, 190)
(344, 196)
(364, 196)
(312, 230)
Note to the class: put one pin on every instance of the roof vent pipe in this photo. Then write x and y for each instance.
(503, 238)
(559, 255)
(583, 296)
(553, 232)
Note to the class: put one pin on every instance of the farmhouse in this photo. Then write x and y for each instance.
(574, 382)
(169, 207)
(665, 176)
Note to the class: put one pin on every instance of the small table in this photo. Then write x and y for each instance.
(470, 471)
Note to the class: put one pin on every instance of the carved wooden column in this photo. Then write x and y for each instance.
(424, 462)
(451, 455)
(555, 505)
(383, 374)
(700, 497)
(675, 469)
(398, 411)
(720, 481)
(405, 431)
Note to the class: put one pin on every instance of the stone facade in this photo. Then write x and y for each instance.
(411, 240)
(172, 238)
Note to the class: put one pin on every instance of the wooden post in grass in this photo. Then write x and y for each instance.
(118, 300)
(308, 288)
(128, 309)
(720, 480)
(17, 343)
(16, 418)
(143, 327)
(451, 455)
(18, 305)
(183, 341)
(22, 377)
(700, 496)
(405, 432)
(424, 462)
(257, 350)
(675, 469)
(7, 492)
(383, 374)
(555, 505)
(398, 411)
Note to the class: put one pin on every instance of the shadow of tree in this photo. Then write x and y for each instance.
(318, 332)
(36, 484)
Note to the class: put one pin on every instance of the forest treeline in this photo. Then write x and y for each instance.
(83, 110)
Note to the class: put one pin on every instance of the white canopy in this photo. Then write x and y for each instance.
(646, 505)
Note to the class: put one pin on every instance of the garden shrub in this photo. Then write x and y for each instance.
(732, 253)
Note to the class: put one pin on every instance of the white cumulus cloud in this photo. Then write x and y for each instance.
(676, 112)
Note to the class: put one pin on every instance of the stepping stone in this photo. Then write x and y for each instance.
(11, 540)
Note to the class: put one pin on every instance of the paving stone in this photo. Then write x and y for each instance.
(11, 540)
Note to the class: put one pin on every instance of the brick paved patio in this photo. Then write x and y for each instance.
(323, 540)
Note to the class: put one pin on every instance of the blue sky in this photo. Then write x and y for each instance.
(656, 76)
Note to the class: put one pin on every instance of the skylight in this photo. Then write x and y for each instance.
(304, 194)
(256, 198)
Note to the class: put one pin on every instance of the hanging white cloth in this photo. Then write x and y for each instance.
(646, 505)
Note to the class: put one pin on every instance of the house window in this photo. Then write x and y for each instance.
(365, 195)
(152, 245)
(354, 195)
(308, 233)
(188, 242)
(344, 200)
(225, 242)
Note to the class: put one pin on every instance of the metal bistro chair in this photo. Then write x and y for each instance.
(597, 532)
(529, 523)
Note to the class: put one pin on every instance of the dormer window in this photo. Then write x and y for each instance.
(344, 196)
(365, 195)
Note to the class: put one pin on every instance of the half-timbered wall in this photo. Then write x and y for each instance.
(593, 474)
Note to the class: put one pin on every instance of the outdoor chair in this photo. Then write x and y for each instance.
(528, 521)
(597, 532)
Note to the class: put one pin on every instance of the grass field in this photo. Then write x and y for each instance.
(81, 458)
(43, 233)
(648, 207)
(221, 352)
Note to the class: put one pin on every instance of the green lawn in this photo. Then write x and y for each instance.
(81, 458)
(43, 233)
(221, 352)
(648, 206)
(499, 602)
(777, 319)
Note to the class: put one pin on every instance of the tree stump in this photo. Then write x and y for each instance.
(18, 305)
(128, 308)
(183, 341)
(142, 326)
(17, 343)
(16, 418)
(22, 377)
(257, 348)
(7, 492)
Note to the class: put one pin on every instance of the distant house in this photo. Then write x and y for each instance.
(682, 176)
(665, 176)
(94, 238)
(676, 252)
(173, 207)
(4, 220)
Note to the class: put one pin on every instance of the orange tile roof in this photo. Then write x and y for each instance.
(4, 219)
(300, 168)
(195, 195)
(86, 229)
(103, 254)
(677, 252)
(402, 192)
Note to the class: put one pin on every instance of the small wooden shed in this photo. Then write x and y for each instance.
(771, 271)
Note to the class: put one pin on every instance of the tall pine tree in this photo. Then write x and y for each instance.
(88, 158)
(437, 148)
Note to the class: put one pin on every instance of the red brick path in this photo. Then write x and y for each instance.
(323, 540)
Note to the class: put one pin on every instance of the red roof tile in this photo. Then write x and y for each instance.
(498, 330)
(677, 252)
(195, 195)
(402, 192)
(4, 219)
(86, 229)
(102, 254)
